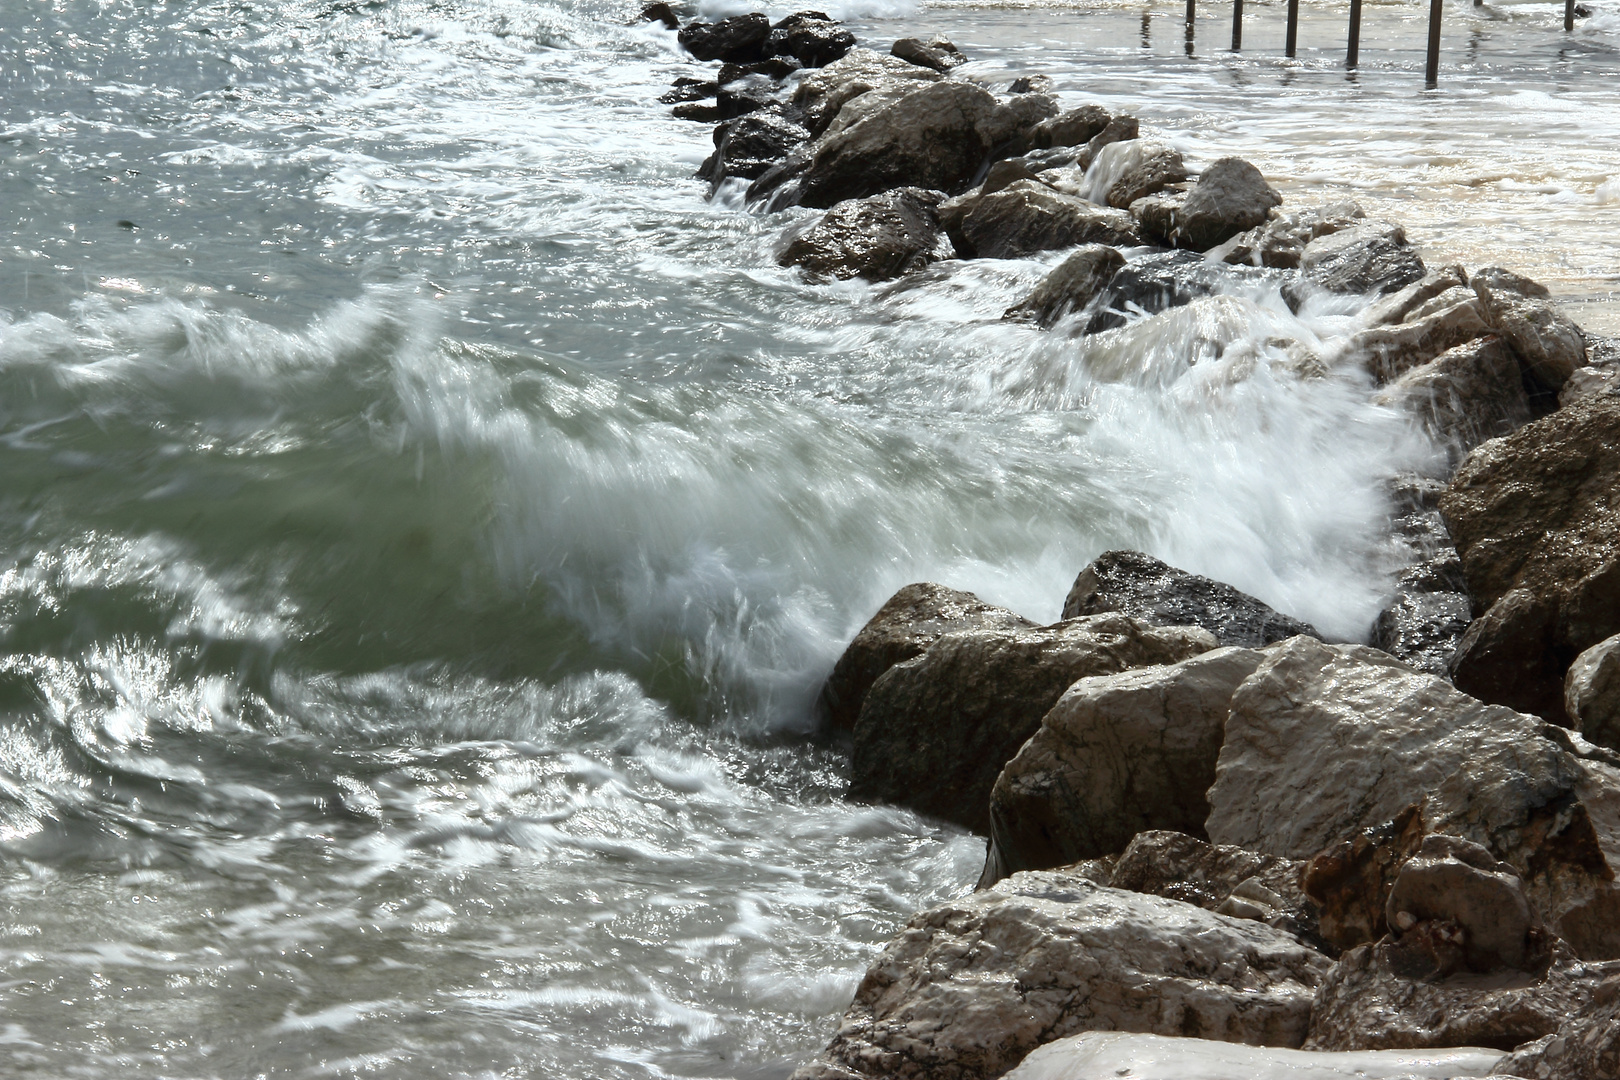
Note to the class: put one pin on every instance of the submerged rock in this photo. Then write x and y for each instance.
(1069, 288)
(909, 621)
(877, 238)
(1156, 592)
(1096, 1055)
(1117, 754)
(934, 732)
(968, 989)
(1168, 279)
(1592, 693)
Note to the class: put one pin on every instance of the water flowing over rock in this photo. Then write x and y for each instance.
(1027, 217)
(1586, 1046)
(1549, 343)
(1376, 998)
(809, 37)
(930, 138)
(1398, 306)
(937, 53)
(1367, 258)
(659, 12)
(1324, 742)
(1117, 754)
(1121, 128)
(1167, 279)
(749, 145)
(1098, 1055)
(1071, 287)
(1537, 512)
(1280, 242)
(934, 732)
(1464, 396)
(1592, 693)
(970, 988)
(877, 238)
(739, 39)
(909, 621)
(1123, 172)
(1431, 329)
(1156, 592)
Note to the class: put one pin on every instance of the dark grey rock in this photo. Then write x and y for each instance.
(876, 238)
(739, 39)
(938, 53)
(811, 38)
(1075, 128)
(1230, 197)
(1370, 258)
(1168, 279)
(745, 96)
(903, 628)
(775, 68)
(659, 12)
(1071, 287)
(690, 90)
(1422, 629)
(750, 145)
(1156, 592)
(1028, 217)
(702, 112)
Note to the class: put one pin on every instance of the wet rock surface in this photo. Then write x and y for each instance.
(1465, 395)
(1156, 592)
(1105, 1055)
(1551, 346)
(937, 53)
(1592, 693)
(1230, 197)
(1586, 1045)
(1281, 241)
(811, 38)
(877, 238)
(1168, 279)
(739, 39)
(1423, 628)
(749, 145)
(1117, 755)
(1028, 217)
(1366, 258)
(1071, 287)
(970, 988)
(934, 732)
(909, 621)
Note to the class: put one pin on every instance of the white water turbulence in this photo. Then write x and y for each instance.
(426, 521)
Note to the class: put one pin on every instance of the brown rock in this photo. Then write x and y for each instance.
(1547, 341)
(1462, 397)
(876, 238)
(1349, 882)
(1586, 1046)
(1074, 284)
(1458, 882)
(934, 732)
(903, 628)
(1592, 693)
(1028, 217)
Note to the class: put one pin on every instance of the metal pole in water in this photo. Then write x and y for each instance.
(1569, 14)
(1190, 4)
(1293, 26)
(1431, 70)
(1237, 25)
(1353, 54)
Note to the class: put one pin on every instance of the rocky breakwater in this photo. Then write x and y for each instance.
(1205, 825)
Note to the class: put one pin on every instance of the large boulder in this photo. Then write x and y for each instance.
(1521, 310)
(810, 38)
(1586, 1045)
(934, 732)
(822, 93)
(739, 39)
(1592, 693)
(1509, 656)
(1071, 287)
(1398, 306)
(1230, 197)
(1324, 742)
(1462, 907)
(1464, 396)
(1027, 217)
(1539, 512)
(904, 627)
(1103, 1055)
(1117, 754)
(877, 238)
(968, 989)
(1077, 127)
(1281, 241)
(930, 138)
(1123, 172)
(1371, 1000)
(1369, 258)
(1156, 592)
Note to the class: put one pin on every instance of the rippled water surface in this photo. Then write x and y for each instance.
(425, 519)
